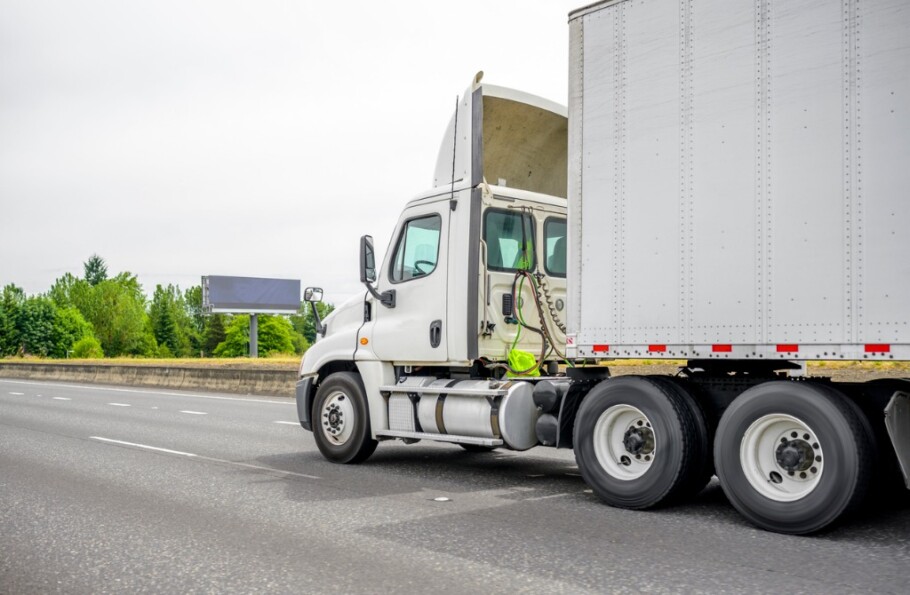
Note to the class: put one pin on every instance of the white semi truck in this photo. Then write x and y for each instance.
(729, 187)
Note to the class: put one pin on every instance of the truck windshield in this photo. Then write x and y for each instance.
(509, 237)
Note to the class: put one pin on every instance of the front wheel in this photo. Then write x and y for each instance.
(793, 457)
(341, 420)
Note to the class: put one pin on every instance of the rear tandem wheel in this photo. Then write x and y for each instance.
(794, 457)
(641, 442)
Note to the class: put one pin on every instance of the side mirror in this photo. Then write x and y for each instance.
(312, 295)
(367, 260)
(368, 273)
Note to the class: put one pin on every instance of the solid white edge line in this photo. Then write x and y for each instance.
(203, 458)
(289, 401)
(145, 446)
(195, 412)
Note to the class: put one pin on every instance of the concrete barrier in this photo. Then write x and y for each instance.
(245, 381)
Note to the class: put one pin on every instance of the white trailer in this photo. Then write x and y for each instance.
(728, 189)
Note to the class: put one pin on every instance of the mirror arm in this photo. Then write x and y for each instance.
(386, 298)
(320, 328)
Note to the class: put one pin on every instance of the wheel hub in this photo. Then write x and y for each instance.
(795, 455)
(639, 441)
(337, 418)
(624, 443)
(781, 457)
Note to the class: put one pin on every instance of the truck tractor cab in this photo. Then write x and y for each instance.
(471, 293)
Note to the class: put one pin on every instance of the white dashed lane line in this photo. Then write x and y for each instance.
(61, 398)
(18, 394)
(195, 412)
(144, 446)
(120, 404)
(203, 458)
(289, 423)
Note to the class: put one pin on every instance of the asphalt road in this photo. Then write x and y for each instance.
(111, 490)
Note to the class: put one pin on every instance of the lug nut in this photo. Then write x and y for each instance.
(640, 422)
(806, 436)
(802, 475)
(815, 445)
(793, 434)
(814, 469)
(818, 459)
(783, 439)
(647, 457)
(790, 473)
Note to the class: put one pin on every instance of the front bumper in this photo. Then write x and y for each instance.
(304, 396)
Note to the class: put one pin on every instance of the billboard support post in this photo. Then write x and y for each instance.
(254, 335)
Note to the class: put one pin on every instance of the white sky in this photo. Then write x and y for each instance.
(185, 138)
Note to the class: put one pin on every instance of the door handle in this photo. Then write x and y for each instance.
(435, 333)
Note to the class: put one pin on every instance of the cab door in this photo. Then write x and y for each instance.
(416, 269)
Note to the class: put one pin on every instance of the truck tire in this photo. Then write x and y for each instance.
(341, 421)
(637, 442)
(702, 464)
(793, 457)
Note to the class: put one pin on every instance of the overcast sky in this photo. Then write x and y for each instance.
(186, 138)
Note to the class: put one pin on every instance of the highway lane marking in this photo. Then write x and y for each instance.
(61, 398)
(150, 391)
(203, 458)
(120, 404)
(290, 423)
(195, 412)
(145, 446)
(20, 394)
(560, 495)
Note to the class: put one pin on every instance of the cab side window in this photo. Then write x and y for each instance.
(509, 237)
(554, 237)
(417, 249)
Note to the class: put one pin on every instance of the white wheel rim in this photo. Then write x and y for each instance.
(337, 418)
(624, 442)
(767, 454)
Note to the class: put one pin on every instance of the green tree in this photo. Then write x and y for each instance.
(95, 270)
(87, 348)
(196, 319)
(12, 300)
(213, 334)
(117, 313)
(274, 337)
(35, 325)
(162, 312)
(70, 328)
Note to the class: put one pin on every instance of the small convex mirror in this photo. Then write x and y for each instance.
(367, 260)
(312, 294)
